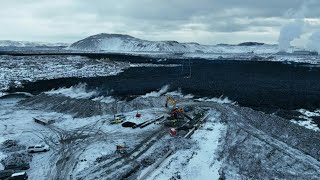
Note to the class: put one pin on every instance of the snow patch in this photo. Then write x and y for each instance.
(2, 139)
(309, 113)
(78, 92)
(220, 100)
(163, 90)
(308, 122)
(179, 94)
(108, 99)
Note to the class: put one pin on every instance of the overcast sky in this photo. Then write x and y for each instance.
(203, 21)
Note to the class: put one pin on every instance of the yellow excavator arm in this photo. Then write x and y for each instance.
(170, 99)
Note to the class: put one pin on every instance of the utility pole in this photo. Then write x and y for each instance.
(189, 69)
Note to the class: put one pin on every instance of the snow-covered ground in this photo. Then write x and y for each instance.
(83, 147)
(308, 121)
(263, 56)
(15, 69)
(198, 162)
(78, 92)
(16, 123)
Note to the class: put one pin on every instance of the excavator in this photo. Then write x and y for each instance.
(170, 99)
(176, 113)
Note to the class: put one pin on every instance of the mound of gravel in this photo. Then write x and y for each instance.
(11, 146)
(17, 161)
(86, 108)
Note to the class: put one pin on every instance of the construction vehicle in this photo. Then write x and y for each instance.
(117, 119)
(121, 149)
(138, 115)
(170, 99)
(176, 113)
(174, 108)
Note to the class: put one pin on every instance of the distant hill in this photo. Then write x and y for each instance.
(121, 42)
(9, 43)
(251, 44)
(126, 43)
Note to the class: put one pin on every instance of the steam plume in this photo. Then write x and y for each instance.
(314, 42)
(289, 33)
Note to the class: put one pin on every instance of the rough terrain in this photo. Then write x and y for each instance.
(247, 144)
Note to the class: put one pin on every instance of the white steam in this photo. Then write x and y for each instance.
(289, 33)
(314, 42)
(295, 29)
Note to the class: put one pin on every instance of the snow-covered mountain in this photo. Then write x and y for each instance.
(126, 43)
(8, 43)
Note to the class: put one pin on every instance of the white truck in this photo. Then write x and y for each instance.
(38, 148)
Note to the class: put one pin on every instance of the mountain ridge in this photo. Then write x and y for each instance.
(127, 43)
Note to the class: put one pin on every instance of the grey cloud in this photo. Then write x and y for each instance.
(70, 20)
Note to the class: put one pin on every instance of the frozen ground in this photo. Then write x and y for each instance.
(233, 142)
(84, 139)
(307, 117)
(16, 69)
(199, 161)
(263, 56)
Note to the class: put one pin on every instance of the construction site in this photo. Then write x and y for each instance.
(160, 135)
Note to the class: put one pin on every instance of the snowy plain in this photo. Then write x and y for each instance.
(15, 69)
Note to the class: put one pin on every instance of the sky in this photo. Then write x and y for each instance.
(202, 21)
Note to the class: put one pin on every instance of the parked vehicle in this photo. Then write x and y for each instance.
(18, 176)
(38, 148)
(117, 119)
(6, 173)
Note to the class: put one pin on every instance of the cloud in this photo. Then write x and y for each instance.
(204, 21)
